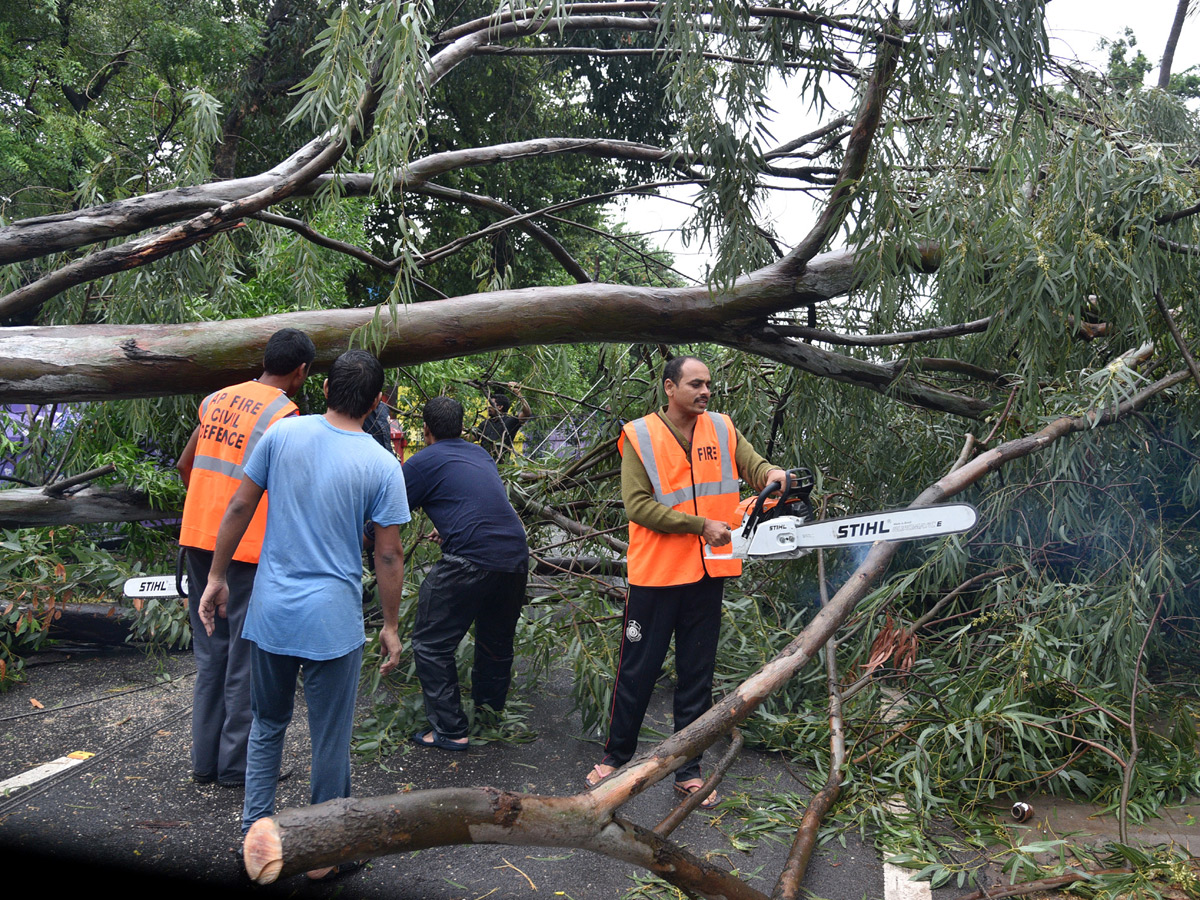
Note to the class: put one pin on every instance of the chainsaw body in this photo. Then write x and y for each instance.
(784, 527)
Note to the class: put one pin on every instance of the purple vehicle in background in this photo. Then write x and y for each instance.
(22, 423)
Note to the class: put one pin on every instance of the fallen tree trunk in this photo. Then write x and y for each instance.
(33, 507)
(349, 829)
(342, 830)
(110, 362)
(106, 362)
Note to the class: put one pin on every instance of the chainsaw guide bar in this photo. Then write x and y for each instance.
(788, 537)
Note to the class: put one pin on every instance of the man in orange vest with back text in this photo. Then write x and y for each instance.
(679, 480)
(231, 423)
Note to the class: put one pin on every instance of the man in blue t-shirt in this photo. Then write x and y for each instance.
(326, 477)
(480, 577)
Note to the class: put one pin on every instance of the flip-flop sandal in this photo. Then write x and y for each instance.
(595, 776)
(341, 870)
(707, 803)
(437, 740)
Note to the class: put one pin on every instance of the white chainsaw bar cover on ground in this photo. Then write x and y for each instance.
(786, 537)
(153, 586)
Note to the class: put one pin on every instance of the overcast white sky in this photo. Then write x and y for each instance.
(1076, 28)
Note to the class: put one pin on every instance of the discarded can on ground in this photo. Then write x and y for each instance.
(1022, 811)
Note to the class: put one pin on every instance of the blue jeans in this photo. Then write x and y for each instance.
(330, 690)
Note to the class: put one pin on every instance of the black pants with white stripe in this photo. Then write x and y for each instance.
(692, 614)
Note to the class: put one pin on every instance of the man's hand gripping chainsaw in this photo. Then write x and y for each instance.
(783, 527)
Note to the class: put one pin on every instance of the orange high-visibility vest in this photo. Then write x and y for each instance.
(702, 483)
(231, 423)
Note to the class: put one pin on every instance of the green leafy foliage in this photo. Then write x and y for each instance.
(43, 570)
(1044, 641)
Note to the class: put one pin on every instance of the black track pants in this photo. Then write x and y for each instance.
(454, 594)
(690, 612)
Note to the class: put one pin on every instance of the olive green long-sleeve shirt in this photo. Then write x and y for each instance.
(638, 493)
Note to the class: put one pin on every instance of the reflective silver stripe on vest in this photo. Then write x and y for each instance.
(727, 485)
(729, 480)
(222, 466)
(647, 455)
(264, 422)
(232, 469)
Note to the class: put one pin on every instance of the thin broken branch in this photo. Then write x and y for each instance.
(882, 340)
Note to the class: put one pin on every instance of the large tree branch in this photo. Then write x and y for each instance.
(862, 137)
(437, 818)
(857, 26)
(155, 246)
(34, 506)
(104, 362)
(1168, 57)
(888, 378)
(43, 235)
(107, 362)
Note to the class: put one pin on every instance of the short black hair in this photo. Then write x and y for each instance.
(355, 380)
(502, 401)
(443, 417)
(287, 349)
(674, 368)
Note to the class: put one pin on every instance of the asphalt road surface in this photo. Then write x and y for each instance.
(128, 814)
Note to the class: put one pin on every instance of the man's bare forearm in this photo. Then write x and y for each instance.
(389, 576)
(188, 458)
(389, 572)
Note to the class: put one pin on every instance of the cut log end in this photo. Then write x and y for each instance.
(262, 851)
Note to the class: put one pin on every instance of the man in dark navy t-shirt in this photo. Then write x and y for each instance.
(480, 577)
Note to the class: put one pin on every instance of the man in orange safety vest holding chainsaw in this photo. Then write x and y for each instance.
(679, 480)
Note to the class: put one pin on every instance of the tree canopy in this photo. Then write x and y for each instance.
(992, 298)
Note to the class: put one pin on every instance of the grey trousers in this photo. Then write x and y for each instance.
(221, 698)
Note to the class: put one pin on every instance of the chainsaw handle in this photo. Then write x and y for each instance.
(800, 481)
(756, 513)
(180, 571)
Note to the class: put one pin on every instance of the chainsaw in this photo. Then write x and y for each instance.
(783, 527)
(144, 586)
